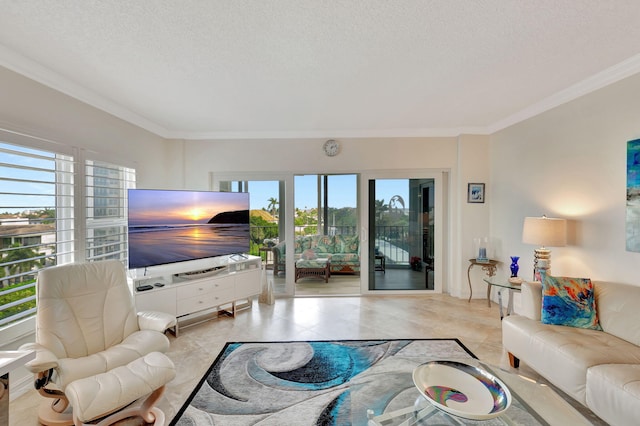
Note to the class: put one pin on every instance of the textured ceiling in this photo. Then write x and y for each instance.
(308, 68)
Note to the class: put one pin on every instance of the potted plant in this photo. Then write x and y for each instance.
(416, 263)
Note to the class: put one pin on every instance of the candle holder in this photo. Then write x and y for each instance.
(483, 249)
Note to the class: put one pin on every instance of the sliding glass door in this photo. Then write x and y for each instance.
(393, 244)
(403, 234)
(326, 222)
(267, 198)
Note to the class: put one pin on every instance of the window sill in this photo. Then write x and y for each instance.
(12, 333)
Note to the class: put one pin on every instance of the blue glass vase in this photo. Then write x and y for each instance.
(514, 266)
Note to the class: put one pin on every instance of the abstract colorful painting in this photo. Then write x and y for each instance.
(633, 196)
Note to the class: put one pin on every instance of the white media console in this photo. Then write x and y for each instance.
(192, 295)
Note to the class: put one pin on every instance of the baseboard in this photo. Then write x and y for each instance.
(20, 386)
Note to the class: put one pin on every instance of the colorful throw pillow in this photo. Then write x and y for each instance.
(569, 301)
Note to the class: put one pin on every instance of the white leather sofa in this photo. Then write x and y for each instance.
(600, 369)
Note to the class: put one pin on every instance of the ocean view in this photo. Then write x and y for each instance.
(160, 244)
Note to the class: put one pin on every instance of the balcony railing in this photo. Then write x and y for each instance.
(17, 300)
(393, 243)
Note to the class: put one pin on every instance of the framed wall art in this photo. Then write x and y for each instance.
(475, 193)
(633, 196)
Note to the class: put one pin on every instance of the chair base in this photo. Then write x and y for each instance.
(115, 389)
(49, 417)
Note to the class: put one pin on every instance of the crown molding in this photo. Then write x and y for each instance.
(320, 134)
(43, 75)
(602, 79)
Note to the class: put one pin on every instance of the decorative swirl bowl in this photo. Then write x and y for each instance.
(462, 390)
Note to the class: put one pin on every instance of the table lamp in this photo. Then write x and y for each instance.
(545, 232)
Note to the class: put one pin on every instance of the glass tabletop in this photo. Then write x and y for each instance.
(533, 404)
(502, 282)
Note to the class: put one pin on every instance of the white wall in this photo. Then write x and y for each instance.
(35, 110)
(306, 156)
(31, 108)
(467, 153)
(472, 220)
(570, 162)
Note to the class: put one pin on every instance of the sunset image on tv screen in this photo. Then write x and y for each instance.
(168, 226)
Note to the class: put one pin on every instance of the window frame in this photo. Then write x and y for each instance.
(71, 202)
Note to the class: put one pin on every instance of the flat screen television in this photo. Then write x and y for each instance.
(169, 226)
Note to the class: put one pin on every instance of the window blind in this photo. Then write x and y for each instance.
(106, 209)
(36, 222)
(55, 208)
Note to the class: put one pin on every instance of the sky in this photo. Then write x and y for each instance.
(342, 191)
(27, 175)
(158, 207)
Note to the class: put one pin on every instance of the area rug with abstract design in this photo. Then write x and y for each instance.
(311, 383)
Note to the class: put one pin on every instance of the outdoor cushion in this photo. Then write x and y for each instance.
(325, 244)
(344, 257)
(312, 263)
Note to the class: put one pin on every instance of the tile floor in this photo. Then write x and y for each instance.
(318, 318)
(348, 284)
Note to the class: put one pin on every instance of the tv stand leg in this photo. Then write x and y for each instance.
(229, 312)
(173, 330)
(247, 304)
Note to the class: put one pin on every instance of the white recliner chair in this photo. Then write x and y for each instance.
(94, 353)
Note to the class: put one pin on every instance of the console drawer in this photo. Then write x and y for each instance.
(204, 288)
(205, 301)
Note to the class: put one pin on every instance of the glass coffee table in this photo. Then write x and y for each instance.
(533, 404)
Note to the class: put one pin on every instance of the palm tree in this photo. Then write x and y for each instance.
(380, 207)
(25, 261)
(273, 202)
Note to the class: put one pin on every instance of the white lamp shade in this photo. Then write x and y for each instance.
(544, 231)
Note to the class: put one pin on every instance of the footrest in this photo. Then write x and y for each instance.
(318, 267)
(95, 396)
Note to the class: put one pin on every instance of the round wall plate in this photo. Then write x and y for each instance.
(331, 147)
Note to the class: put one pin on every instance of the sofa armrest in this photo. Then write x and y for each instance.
(44, 360)
(531, 299)
(156, 321)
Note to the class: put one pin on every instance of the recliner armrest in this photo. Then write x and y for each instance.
(45, 359)
(155, 320)
(531, 299)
